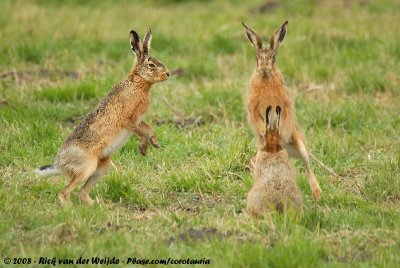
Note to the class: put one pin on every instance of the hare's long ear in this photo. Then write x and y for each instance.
(278, 117)
(135, 43)
(278, 36)
(147, 42)
(268, 117)
(253, 37)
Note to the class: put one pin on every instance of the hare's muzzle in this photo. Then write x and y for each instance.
(166, 75)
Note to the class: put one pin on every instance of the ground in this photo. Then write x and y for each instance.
(187, 199)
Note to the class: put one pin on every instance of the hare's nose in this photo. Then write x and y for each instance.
(167, 73)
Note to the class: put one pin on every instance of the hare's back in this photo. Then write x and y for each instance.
(103, 123)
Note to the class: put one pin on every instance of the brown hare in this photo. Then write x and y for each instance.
(86, 154)
(267, 88)
(274, 177)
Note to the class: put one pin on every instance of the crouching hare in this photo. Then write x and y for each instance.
(274, 177)
(86, 154)
(267, 88)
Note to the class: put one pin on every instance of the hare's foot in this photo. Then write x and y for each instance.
(143, 145)
(154, 142)
(316, 191)
(84, 197)
(65, 200)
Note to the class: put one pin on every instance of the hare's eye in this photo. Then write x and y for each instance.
(151, 65)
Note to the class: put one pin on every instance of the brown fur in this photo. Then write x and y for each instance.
(267, 88)
(274, 178)
(86, 154)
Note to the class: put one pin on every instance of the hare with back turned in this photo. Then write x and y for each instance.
(274, 177)
(267, 88)
(86, 154)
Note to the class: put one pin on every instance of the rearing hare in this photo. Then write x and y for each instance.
(274, 178)
(86, 154)
(267, 88)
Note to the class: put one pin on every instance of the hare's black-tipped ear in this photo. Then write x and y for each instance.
(268, 117)
(147, 42)
(253, 37)
(135, 43)
(278, 117)
(278, 36)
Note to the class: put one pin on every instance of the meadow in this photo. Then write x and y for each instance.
(340, 61)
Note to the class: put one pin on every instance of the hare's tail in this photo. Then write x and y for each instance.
(328, 169)
(48, 170)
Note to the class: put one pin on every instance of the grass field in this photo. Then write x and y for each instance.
(341, 63)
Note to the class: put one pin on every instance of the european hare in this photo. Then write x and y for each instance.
(267, 88)
(274, 177)
(86, 154)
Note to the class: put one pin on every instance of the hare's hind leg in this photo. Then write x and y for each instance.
(255, 202)
(297, 148)
(84, 171)
(102, 168)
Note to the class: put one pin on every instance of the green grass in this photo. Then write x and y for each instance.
(340, 61)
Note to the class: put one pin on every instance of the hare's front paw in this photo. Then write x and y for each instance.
(154, 142)
(143, 146)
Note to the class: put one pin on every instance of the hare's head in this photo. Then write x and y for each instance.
(147, 67)
(265, 56)
(272, 138)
